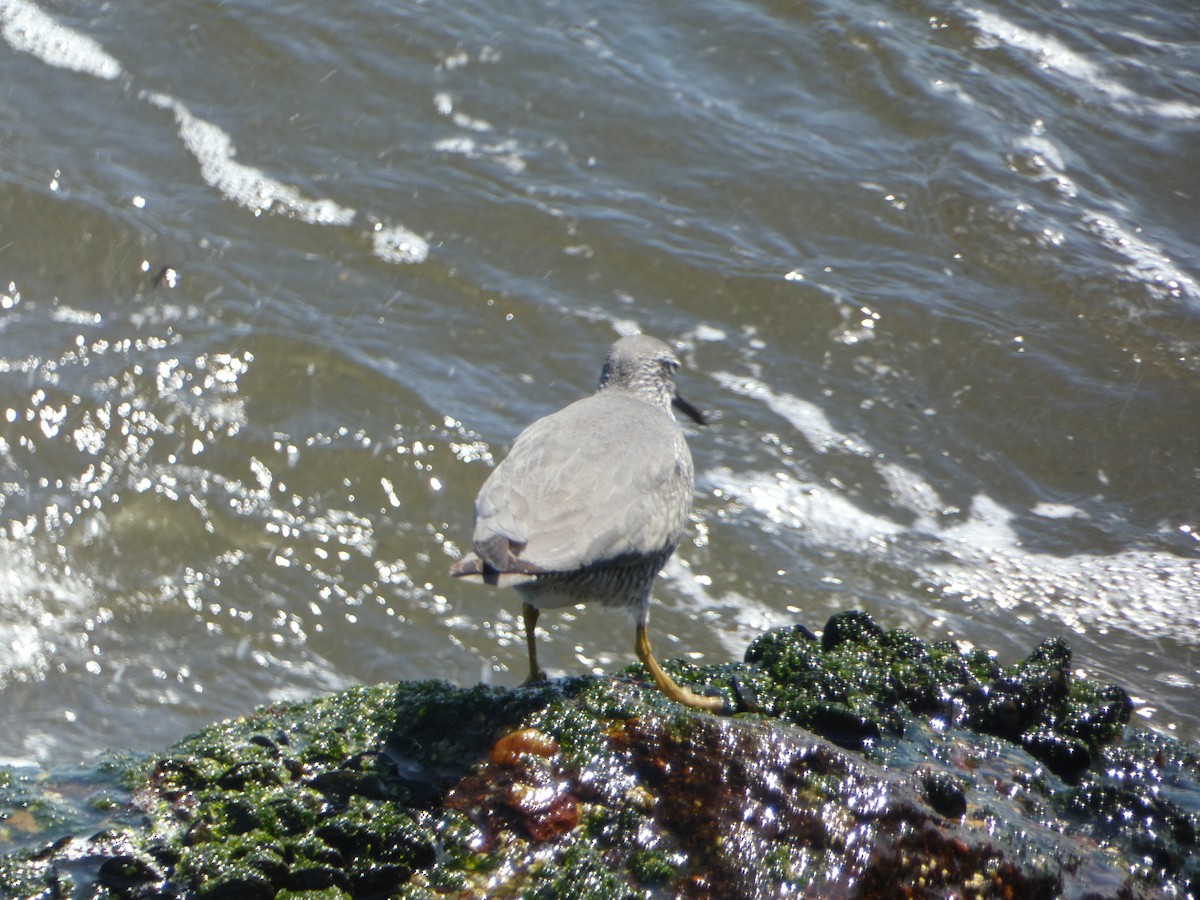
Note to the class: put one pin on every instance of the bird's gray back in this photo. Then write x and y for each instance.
(608, 479)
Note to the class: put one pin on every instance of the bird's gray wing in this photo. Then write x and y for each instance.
(608, 478)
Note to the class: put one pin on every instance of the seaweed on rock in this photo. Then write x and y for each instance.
(866, 763)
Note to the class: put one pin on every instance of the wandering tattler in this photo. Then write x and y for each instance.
(592, 500)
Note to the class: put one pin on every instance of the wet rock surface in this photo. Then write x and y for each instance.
(865, 763)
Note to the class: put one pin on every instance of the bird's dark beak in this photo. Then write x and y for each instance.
(688, 410)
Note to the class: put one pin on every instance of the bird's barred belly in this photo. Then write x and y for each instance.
(627, 585)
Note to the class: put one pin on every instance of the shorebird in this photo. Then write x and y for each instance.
(592, 500)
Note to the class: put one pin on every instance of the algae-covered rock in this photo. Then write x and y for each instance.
(860, 682)
(863, 764)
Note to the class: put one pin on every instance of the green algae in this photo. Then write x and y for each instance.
(860, 683)
(964, 776)
(581, 874)
(331, 893)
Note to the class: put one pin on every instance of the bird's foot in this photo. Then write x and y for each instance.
(708, 698)
(717, 700)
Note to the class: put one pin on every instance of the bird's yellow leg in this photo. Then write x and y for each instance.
(666, 684)
(529, 613)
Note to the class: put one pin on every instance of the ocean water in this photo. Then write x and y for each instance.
(280, 281)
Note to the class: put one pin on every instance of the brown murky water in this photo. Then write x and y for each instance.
(277, 285)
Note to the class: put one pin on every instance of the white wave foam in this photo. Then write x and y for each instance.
(29, 30)
(984, 559)
(1154, 593)
(806, 417)
(1055, 56)
(507, 152)
(980, 556)
(254, 190)
(246, 186)
(1147, 262)
(824, 516)
(1047, 160)
(396, 244)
